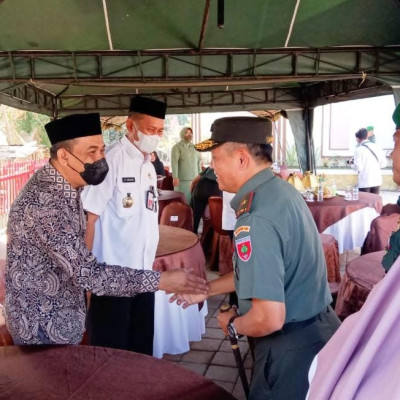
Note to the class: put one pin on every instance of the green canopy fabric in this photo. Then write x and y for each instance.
(59, 57)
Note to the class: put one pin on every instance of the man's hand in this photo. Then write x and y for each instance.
(180, 281)
(175, 182)
(186, 300)
(224, 317)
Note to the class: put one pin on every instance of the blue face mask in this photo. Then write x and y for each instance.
(94, 173)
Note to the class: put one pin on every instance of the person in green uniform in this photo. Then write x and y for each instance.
(279, 266)
(185, 162)
(392, 250)
(371, 134)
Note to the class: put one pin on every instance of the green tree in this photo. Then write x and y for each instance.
(33, 125)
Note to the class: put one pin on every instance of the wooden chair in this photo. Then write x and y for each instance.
(331, 253)
(177, 214)
(222, 243)
(167, 183)
(379, 233)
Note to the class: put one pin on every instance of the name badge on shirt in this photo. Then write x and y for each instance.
(126, 180)
(151, 199)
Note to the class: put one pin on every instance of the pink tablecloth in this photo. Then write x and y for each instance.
(85, 372)
(174, 327)
(332, 210)
(361, 275)
(179, 248)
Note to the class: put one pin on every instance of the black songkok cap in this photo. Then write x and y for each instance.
(237, 130)
(145, 105)
(73, 126)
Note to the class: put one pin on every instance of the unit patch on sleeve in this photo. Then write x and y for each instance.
(243, 248)
(245, 204)
(244, 228)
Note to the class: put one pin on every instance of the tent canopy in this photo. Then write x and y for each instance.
(59, 57)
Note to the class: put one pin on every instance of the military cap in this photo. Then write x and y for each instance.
(396, 116)
(145, 105)
(370, 128)
(238, 130)
(73, 126)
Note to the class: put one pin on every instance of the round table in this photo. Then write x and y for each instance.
(348, 221)
(330, 211)
(175, 327)
(87, 372)
(361, 275)
(179, 248)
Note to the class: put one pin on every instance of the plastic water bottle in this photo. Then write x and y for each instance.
(320, 194)
(334, 187)
(355, 192)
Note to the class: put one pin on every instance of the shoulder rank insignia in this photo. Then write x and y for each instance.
(245, 204)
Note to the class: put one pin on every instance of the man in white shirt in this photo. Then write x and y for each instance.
(228, 213)
(123, 228)
(368, 161)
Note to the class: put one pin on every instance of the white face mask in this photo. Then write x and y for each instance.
(146, 143)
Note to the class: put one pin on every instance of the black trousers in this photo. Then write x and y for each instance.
(204, 189)
(374, 189)
(282, 359)
(125, 323)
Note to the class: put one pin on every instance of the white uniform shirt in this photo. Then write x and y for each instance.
(124, 236)
(228, 213)
(368, 167)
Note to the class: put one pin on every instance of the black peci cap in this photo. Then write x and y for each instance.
(238, 130)
(145, 105)
(73, 126)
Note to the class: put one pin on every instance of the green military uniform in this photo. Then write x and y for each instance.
(392, 249)
(185, 164)
(278, 257)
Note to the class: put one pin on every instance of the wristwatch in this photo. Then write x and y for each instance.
(232, 332)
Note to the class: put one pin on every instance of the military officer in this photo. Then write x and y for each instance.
(279, 266)
(123, 227)
(393, 247)
(185, 162)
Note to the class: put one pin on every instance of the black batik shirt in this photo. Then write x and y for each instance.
(48, 265)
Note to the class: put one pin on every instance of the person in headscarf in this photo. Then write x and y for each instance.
(158, 165)
(185, 162)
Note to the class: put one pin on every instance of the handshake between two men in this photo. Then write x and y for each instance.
(182, 281)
